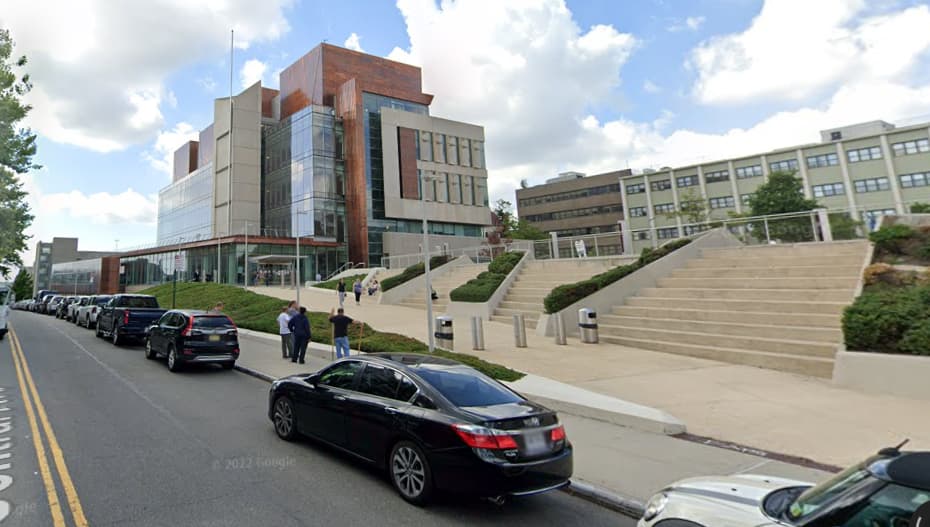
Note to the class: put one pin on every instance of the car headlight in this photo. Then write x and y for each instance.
(655, 505)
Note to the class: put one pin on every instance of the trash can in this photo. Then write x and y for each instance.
(587, 325)
(477, 334)
(519, 331)
(560, 329)
(443, 334)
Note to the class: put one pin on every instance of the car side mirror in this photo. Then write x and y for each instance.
(149, 329)
(313, 379)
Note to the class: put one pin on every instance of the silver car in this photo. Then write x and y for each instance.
(87, 313)
(71, 315)
(885, 490)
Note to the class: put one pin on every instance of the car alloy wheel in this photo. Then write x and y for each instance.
(410, 473)
(173, 363)
(149, 352)
(283, 418)
(115, 337)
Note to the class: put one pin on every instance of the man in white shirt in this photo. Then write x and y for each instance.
(286, 341)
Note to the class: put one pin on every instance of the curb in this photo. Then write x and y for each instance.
(605, 498)
(577, 488)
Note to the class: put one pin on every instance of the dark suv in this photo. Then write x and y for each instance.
(186, 336)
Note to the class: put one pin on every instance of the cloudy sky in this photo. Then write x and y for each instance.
(588, 85)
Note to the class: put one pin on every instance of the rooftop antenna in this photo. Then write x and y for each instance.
(895, 450)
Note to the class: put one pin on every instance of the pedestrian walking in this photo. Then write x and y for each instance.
(341, 290)
(285, 332)
(300, 328)
(357, 289)
(340, 324)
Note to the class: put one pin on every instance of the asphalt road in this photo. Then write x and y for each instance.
(142, 446)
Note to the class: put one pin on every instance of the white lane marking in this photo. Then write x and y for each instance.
(757, 465)
(129, 384)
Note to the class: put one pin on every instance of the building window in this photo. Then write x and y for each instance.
(575, 194)
(748, 172)
(864, 154)
(788, 165)
(871, 185)
(426, 146)
(46, 249)
(722, 202)
(686, 181)
(637, 188)
(823, 160)
(836, 136)
(663, 184)
(663, 208)
(455, 188)
(694, 229)
(641, 235)
(744, 198)
(465, 152)
(452, 150)
(481, 191)
(911, 147)
(719, 175)
(666, 233)
(637, 212)
(830, 189)
(468, 191)
(477, 153)
(439, 150)
(920, 179)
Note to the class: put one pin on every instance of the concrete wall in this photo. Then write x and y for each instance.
(402, 291)
(246, 162)
(466, 310)
(883, 373)
(408, 243)
(615, 294)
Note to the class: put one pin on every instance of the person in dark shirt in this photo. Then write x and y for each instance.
(340, 324)
(300, 328)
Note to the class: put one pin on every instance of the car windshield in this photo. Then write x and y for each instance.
(211, 322)
(817, 497)
(101, 300)
(892, 505)
(463, 387)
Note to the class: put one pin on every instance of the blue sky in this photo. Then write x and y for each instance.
(576, 85)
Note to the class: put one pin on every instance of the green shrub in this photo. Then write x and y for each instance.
(412, 272)
(883, 316)
(334, 284)
(842, 227)
(920, 208)
(567, 294)
(483, 286)
(889, 240)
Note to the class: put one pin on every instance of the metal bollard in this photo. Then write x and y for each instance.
(587, 325)
(444, 333)
(477, 334)
(560, 329)
(519, 331)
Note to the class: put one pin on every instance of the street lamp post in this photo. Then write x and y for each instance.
(429, 287)
(297, 268)
(174, 281)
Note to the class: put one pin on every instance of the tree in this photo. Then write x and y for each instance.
(504, 211)
(782, 193)
(17, 149)
(525, 230)
(22, 284)
(691, 208)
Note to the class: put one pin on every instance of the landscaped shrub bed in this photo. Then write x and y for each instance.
(890, 316)
(334, 284)
(900, 243)
(567, 294)
(412, 272)
(483, 286)
(257, 312)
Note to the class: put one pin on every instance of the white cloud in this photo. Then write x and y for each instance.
(650, 87)
(796, 49)
(100, 66)
(161, 155)
(252, 71)
(354, 42)
(103, 208)
(692, 23)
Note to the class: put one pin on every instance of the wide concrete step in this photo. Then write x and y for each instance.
(802, 283)
(761, 316)
(527, 314)
(526, 306)
(851, 272)
(767, 251)
(535, 289)
(776, 261)
(422, 305)
(544, 284)
(812, 366)
(814, 295)
(558, 278)
(738, 329)
(508, 319)
(785, 345)
(525, 297)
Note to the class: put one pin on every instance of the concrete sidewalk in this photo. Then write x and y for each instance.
(775, 411)
(628, 464)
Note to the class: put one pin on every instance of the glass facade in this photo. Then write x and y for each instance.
(76, 278)
(185, 208)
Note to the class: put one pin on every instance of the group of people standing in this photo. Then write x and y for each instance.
(294, 329)
(357, 289)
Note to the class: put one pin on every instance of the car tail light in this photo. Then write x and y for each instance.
(187, 330)
(187, 351)
(236, 351)
(557, 434)
(481, 437)
(125, 318)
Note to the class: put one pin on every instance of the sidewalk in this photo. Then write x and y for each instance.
(620, 460)
(765, 409)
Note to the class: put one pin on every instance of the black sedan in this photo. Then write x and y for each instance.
(188, 336)
(432, 424)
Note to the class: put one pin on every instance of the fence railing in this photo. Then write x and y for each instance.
(478, 254)
(580, 246)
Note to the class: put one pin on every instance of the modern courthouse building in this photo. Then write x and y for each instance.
(336, 159)
(866, 170)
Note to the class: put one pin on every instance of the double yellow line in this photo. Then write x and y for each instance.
(34, 407)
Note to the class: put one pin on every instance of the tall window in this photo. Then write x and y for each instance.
(465, 152)
(455, 188)
(468, 189)
(452, 150)
(481, 191)
(426, 146)
(439, 152)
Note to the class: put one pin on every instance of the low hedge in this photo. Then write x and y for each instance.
(412, 272)
(257, 312)
(334, 284)
(902, 244)
(483, 286)
(890, 319)
(567, 294)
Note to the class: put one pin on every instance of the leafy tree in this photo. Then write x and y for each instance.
(525, 230)
(17, 149)
(691, 208)
(22, 284)
(782, 193)
(504, 211)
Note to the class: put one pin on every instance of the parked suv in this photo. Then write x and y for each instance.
(51, 306)
(87, 313)
(186, 336)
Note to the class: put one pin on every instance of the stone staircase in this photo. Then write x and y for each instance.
(776, 307)
(536, 280)
(443, 286)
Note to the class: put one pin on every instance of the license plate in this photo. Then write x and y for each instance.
(214, 338)
(534, 443)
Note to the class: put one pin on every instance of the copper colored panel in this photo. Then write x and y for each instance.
(373, 75)
(206, 147)
(109, 275)
(268, 95)
(348, 105)
(407, 155)
(301, 83)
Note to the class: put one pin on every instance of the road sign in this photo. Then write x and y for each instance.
(180, 261)
(580, 249)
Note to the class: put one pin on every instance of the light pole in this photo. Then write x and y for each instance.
(174, 281)
(429, 288)
(297, 261)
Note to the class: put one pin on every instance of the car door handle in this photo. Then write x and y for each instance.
(391, 410)
(339, 397)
